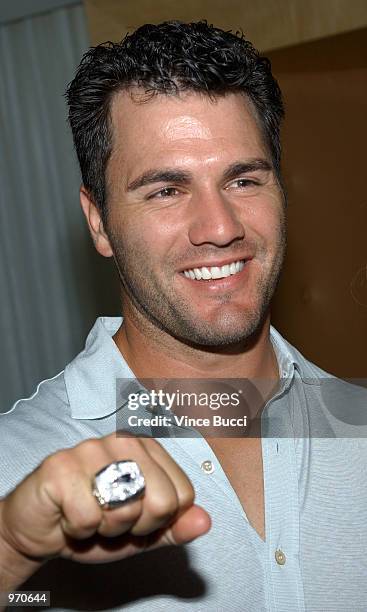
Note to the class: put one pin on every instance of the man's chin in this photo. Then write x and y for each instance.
(211, 335)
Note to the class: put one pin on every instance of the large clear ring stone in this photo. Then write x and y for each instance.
(118, 483)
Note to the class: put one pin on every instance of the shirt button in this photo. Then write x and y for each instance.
(280, 557)
(207, 467)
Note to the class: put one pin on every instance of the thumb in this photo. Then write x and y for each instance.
(191, 524)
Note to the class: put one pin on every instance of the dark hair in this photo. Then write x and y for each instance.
(165, 58)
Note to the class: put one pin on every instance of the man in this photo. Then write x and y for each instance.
(177, 134)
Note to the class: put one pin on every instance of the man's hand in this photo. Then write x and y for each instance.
(53, 512)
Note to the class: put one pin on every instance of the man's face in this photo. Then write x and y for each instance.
(195, 215)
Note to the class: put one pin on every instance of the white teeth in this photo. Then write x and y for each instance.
(215, 272)
(206, 274)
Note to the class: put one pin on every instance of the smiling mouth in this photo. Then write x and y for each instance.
(215, 272)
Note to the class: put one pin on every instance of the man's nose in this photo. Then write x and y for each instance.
(214, 220)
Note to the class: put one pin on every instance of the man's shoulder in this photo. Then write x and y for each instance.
(76, 404)
(59, 397)
(308, 369)
(39, 426)
(42, 410)
(32, 429)
(342, 400)
(50, 394)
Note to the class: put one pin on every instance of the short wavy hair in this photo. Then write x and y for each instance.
(167, 58)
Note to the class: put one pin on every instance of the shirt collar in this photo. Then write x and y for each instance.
(91, 377)
(286, 358)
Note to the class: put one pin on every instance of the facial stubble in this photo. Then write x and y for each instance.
(170, 312)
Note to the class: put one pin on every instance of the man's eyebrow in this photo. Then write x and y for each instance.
(165, 175)
(238, 168)
(172, 175)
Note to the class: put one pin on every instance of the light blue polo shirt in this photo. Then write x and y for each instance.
(315, 478)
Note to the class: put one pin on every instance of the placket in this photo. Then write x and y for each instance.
(285, 592)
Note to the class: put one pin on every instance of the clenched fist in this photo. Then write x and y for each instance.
(53, 512)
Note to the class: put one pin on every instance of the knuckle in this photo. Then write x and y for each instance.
(153, 442)
(122, 433)
(132, 511)
(90, 446)
(126, 447)
(54, 474)
(129, 513)
(56, 463)
(187, 496)
(163, 506)
(129, 441)
(135, 511)
(87, 521)
(79, 524)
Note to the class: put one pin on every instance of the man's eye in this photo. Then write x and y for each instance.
(242, 183)
(167, 192)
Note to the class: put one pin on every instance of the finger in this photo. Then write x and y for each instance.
(184, 489)
(159, 502)
(190, 525)
(120, 520)
(193, 523)
(62, 481)
(98, 454)
(82, 516)
(73, 476)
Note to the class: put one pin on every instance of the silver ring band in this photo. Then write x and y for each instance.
(118, 483)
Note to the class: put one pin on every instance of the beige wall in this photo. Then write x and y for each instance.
(321, 303)
(269, 24)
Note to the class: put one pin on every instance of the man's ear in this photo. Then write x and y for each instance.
(95, 224)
